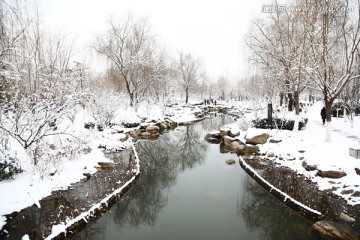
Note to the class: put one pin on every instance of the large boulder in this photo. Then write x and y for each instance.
(213, 137)
(234, 131)
(124, 137)
(330, 173)
(335, 230)
(135, 133)
(347, 218)
(152, 129)
(308, 166)
(247, 150)
(228, 140)
(170, 123)
(259, 139)
(230, 130)
(224, 131)
(162, 125)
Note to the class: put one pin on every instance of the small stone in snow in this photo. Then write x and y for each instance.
(346, 192)
(356, 194)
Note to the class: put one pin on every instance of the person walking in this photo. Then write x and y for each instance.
(323, 115)
(305, 108)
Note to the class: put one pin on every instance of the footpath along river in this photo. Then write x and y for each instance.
(187, 191)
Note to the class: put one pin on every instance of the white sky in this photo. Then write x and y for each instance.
(212, 30)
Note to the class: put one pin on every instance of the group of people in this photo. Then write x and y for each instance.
(210, 101)
(302, 106)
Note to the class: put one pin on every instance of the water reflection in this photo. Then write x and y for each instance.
(264, 213)
(211, 208)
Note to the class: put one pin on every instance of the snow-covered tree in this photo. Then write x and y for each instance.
(189, 72)
(39, 83)
(131, 48)
(313, 46)
(334, 43)
(279, 45)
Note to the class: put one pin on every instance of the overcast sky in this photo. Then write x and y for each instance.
(212, 30)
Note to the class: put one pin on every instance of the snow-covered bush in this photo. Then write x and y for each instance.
(52, 151)
(279, 123)
(104, 105)
(351, 106)
(8, 167)
(28, 121)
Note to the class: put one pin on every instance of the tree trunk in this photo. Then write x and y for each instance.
(296, 123)
(281, 99)
(187, 95)
(291, 102)
(328, 121)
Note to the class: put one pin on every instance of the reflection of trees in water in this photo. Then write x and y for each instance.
(299, 188)
(190, 148)
(215, 123)
(161, 160)
(92, 231)
(262, 211)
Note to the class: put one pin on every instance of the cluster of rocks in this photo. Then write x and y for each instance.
(229, 136)
(152, 128)
(217, 108)
(247, 148)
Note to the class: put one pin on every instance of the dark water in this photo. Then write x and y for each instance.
(186, 191)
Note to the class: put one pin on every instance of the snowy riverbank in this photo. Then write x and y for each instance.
(295, 148)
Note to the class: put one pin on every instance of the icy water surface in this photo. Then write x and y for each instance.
(186, 191)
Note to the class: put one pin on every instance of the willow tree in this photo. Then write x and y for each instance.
(130, 46)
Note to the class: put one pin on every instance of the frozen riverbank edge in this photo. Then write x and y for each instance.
(339, 204)
(66, 212)
(59, 231)
(328, 222)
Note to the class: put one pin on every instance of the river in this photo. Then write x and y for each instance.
(187, 191)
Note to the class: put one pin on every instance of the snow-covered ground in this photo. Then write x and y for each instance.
(28, 188)
(35, 183)
(309, 145)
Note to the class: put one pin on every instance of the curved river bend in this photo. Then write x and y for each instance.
(186, 191)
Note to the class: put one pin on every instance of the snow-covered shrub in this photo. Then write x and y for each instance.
(49, 154)
(338, 109)
(8, 167)
(29, 121)
(89, 125)
(279, 123)
(104, 105)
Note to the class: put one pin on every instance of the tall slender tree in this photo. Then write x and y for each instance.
(131, 48)
(189, 72)
(334, 43)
